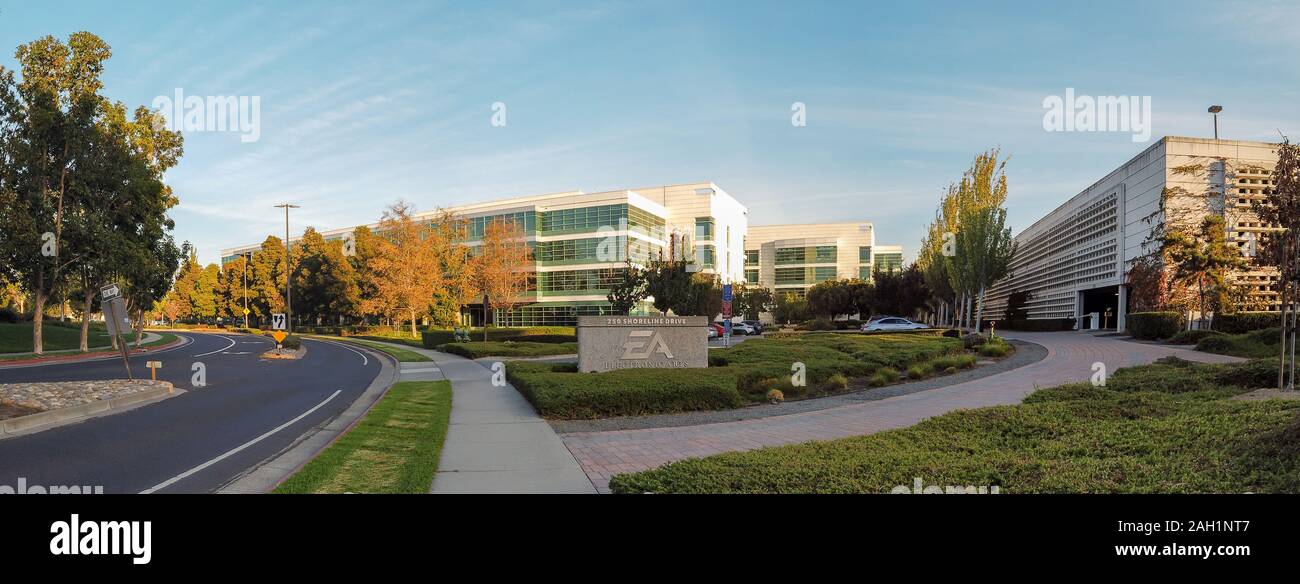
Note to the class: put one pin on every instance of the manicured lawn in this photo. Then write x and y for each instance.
(17, 337)
(394, 449)
(1162, 428)
(476, 349)
(539, 334)
(401, 340)
(402, 355)
(746, 373)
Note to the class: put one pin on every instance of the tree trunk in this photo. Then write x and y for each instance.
(413, 335)
(139, 326)
(979, 311)
(38, 297)
(85, 321)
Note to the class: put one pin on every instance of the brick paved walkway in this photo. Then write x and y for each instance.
(1070, 357)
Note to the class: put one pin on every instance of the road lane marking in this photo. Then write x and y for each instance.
(232, 343)
(364, 360)
(173, 480)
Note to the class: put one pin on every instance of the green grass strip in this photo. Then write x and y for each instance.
(394, 449)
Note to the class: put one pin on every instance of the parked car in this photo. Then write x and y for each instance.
(717, 330)
(893, 323)
(757, 326)
(713, 331)
(742, 328)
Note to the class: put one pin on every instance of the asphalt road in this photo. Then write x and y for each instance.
(262, 406)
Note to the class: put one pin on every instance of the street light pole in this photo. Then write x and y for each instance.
(246, 291)
(1214, 110)
(288, 271)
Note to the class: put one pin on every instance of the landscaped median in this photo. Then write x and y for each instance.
(24, 406)
(1170, 427)
(758, 370)
(402, 355)
(394, 449)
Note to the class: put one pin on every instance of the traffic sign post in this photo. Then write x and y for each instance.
(278, 321)
(153, 366)
(727, 296)
(116, 320)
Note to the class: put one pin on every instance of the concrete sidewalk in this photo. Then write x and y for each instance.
(496, 442)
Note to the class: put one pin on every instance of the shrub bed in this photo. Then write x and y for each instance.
(539, 334)
(1190, 337)
(1244, 322)
(476, 349)
(561, 392)
(1154, 325)
(1260, 344)
(1163, 428)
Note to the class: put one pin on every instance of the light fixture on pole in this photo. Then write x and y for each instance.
(1215, 109)
(288, 271)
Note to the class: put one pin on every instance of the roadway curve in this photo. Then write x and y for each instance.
(261, 406)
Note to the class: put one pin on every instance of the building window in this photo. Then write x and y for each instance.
(785, 276)
(751, 257)
(703, 229)
(791, 255)
(523, 220)
(751, 276)
(823, 274)
(590, 281)
(889, 261)
(704, 255)
(824, 254)
(864, 254)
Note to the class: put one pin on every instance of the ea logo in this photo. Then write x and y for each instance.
(635, 348)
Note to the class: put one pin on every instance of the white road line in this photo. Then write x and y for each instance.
(364, 359)
(173, 480)
(232, 343)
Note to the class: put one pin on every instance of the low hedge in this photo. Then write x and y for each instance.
(1191, 337)
(1244, 322)
(476, 349)
(537, 334)
(1154, 325)
(559, 392)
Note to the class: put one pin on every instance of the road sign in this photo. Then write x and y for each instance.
(278, 321)
(726, 308)
(116, 319)
(278, 336)
(110, 292)
(246, 311)
(727, 293)
(153, 366)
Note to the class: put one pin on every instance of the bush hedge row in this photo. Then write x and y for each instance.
(1244, 322)
(1154, 325)
(558, 391)
(537, 334)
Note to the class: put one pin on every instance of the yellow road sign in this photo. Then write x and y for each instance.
(246, 312)
(278, 336)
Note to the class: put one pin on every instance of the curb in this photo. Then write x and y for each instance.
(49, 419)
(268, 474)
(89, 357)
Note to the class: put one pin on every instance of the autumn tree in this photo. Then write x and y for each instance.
(266, 280)
(1203, 260)
(405, 266)
(502, 263)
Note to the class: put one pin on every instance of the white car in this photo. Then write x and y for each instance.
(740, 328)
(893, 323)
(713, 333)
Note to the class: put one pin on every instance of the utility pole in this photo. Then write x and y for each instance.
(246, 258)
(1215, 109)
(288, 272)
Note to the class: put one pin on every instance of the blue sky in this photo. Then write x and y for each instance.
(366, 103)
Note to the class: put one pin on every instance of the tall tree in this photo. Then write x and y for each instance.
(325, 283)
(628, 289)
(266, 280)
(984, 251)
(47, 127)
(405, 265)
(1203, 260)
(502, 263)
